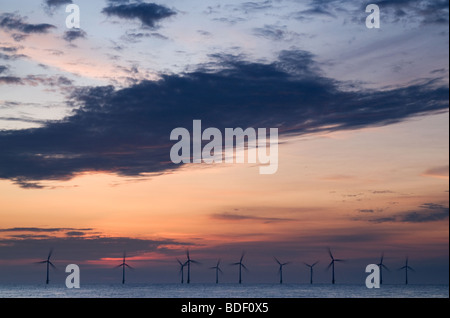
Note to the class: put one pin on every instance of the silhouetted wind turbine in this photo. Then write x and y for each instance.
(333, 260)
(406, 267)
(188, 263)
(311, 271)
(181, 270)
(48, 264)
(381, 266)
(217, 268)
(280, 270)
(123, 265)
(241, 265)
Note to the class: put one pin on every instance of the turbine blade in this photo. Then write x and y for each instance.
(331, 255)
(244, 267)
(276, 260)
(220, 270)
(51, 264)
(412, 269)
(307, 264)
(385, 267)
(42, 262)
(328, 267)
(130, 267)
(315, 264)
(242, 256)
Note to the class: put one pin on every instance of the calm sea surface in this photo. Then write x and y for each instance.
(224, 291)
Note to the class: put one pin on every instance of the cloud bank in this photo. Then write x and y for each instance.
(126, 131)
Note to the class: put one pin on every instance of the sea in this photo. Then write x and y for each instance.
(229, 291)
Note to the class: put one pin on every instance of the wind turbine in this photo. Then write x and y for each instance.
(47, 261)
(406, 267)
(217, 268)
(280, 270)
(182, 265)
(311, 271)
(241, 265)
(333, 260)
(188, 263)
(381, 266)
(123, 265)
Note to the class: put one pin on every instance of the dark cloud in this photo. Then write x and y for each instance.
(424, 11)
(34, 80)
(73, 35)
(57, 3)
(148, 13)
(127, 131)
(18, 37)
(75, 233)
(10, 80)
(39, 229)
(11, 57)
(3, 69)
(427, 212)
(240, 217)
(79, 247)
(9, 49)
(366, 210)
(13, 22)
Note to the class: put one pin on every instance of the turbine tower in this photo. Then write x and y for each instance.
(188, 263)
(217, 268)
(182, 265)
(333, 261)
(47, 261)
(406, 268)
(123, 265)
(381, 266)
(311, 267)
(280, 270)
(241, 265)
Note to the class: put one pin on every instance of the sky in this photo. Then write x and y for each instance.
(86, 116)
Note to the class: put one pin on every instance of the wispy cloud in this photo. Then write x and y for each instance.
(440, 172)
(241, 217)
(41, 229)
(14, 22)
(73, 35)
(427, 212)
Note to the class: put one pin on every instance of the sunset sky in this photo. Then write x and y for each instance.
(86, 116)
